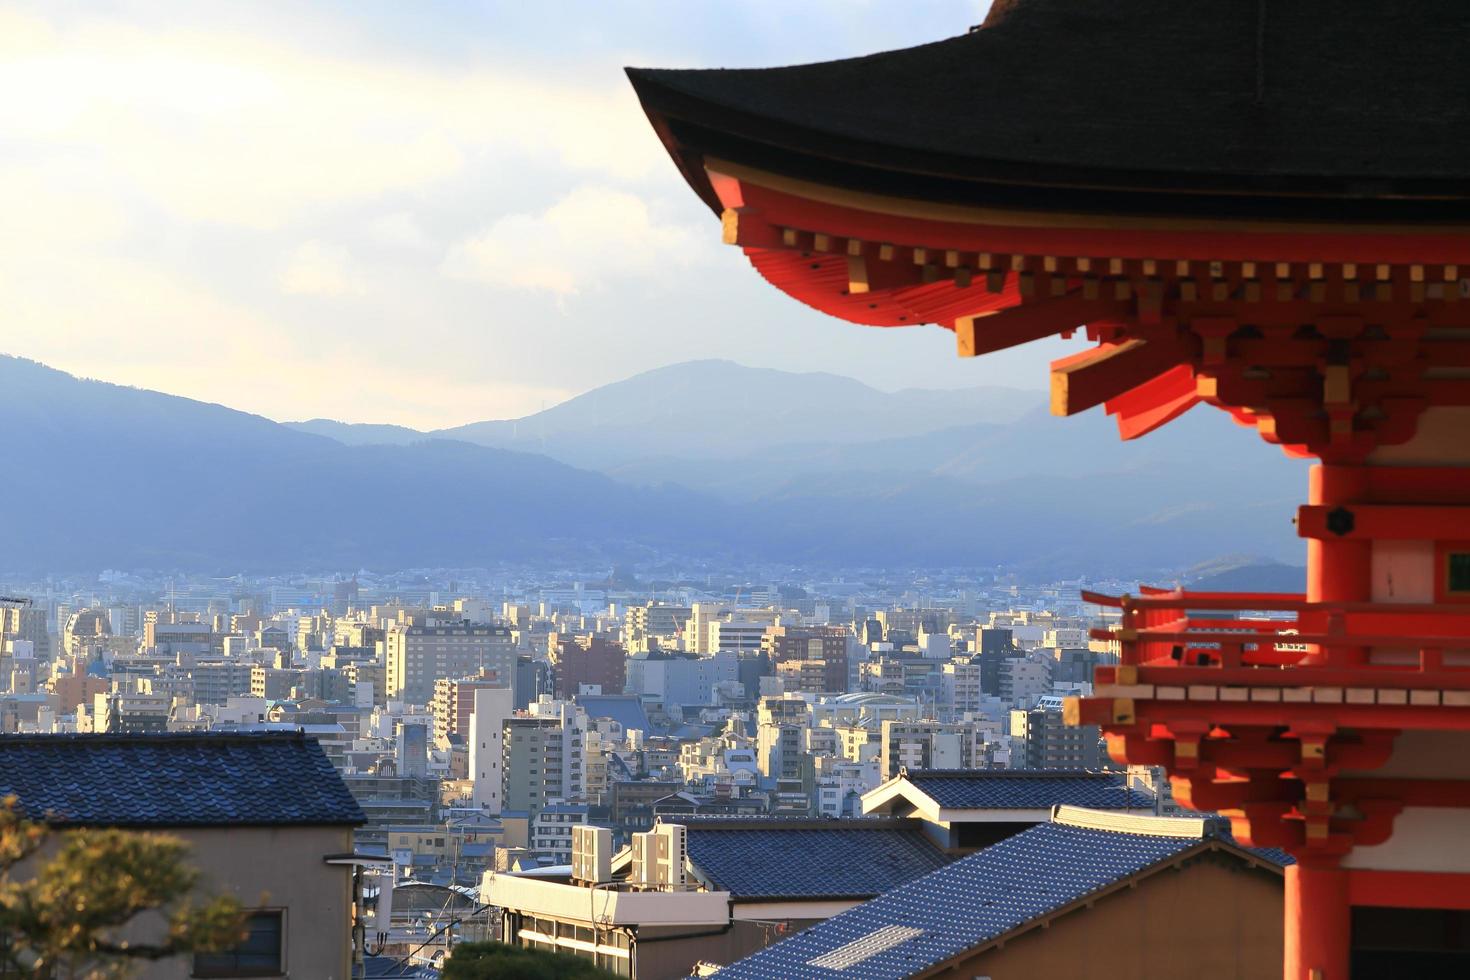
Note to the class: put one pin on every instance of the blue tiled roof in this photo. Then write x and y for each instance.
(175, 780)
(772, 858)
(625, 709)
(964, 905)
(1022, 789)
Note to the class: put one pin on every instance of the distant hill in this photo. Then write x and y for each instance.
(107, 476)
(360, 434)
(717, 409)
(1252, 577)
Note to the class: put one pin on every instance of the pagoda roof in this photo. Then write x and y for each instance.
(1342, 110)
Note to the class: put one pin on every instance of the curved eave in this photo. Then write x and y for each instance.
(695, 130)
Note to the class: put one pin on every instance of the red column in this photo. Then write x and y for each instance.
(1338, 569)
(1318, 922)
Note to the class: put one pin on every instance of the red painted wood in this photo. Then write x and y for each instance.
(1318, 923)
(1408, 889)
(1403, 522)
(1205, 245)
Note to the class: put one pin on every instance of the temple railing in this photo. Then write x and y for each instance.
(1281, 640)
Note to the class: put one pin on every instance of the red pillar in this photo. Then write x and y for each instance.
(1318, 922)
(1338, 569)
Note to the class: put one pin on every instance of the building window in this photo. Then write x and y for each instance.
(261, 954)
(1457, 572)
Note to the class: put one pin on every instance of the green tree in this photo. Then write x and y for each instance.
(65, 915)
(498, 961)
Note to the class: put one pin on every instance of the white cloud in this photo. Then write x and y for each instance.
(587, 238)
(315, 268)
(399, 230)
(250, 131)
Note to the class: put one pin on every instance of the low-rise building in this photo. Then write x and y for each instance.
(264, 815)
(1053, 902)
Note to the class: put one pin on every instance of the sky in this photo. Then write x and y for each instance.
(420, 213)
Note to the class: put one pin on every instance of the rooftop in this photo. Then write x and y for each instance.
(771, 858)
(625, 709)
(978, 899)
(175, 780)
(1340, 111)
(1016, 789)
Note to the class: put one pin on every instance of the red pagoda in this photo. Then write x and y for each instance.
(1262, 207)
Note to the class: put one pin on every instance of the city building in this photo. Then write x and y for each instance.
(454, 702)
(418, 655)
(929, 745)
(543, 757)
(581, 662)
(1042, 739)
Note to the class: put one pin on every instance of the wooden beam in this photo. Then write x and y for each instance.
(1091, 378)
(1155, 402)
(1384, 521)
(984, 333)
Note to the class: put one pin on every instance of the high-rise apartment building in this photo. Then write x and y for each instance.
(1040, 739)
(586, 660)
(492, 706)
(930, 745)
(216, 681)
(643, 625)
(735, 634)
(1022, 681)
(454, 702)
(543, 756)
(825, 644)
(418, 655)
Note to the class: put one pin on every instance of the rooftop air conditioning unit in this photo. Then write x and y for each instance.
(591, 854)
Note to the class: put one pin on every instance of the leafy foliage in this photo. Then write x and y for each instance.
(65, 910)
(498, 961)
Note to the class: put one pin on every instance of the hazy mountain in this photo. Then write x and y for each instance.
(99, 475)
(713, 408)
(1244, 575)
(360, 433)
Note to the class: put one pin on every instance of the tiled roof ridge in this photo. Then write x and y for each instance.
(1138, 824)
(1008, 773)
(763, 821)
(138, 738)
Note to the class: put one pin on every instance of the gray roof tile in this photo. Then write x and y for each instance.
(175, 780)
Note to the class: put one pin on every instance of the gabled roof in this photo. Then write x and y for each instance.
(1007, 887)
(775, 858)
(175, 780)
(1343, 110)
(942, 794)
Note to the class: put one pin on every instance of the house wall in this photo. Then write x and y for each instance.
(262, 867)
(266, 867)
(671, 954)
(1213, 919)
(274, 867)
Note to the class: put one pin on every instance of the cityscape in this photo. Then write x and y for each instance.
(481, 720)
(497, 492)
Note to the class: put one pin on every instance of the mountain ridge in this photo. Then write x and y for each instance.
(110, 476)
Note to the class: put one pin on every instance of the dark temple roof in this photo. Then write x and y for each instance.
(978, 899)
(984, 789)
(772, 858)
(175, 780)
(1078, 104)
